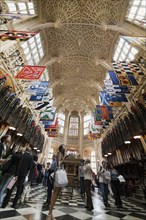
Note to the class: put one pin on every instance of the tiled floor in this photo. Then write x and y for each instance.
(71, 209)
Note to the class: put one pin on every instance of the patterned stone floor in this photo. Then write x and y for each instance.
(68, 208)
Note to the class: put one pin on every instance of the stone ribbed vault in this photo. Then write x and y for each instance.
(81, 35)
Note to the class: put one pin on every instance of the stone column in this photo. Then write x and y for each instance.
(66, 127)
(81, 133)
(97, 146)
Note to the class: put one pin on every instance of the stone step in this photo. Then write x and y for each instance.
(139, 196)
(139, 201)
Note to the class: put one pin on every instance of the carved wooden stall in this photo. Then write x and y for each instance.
(71, 165)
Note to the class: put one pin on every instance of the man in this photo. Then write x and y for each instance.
(87, 180)
(81, 177)
(24, 168)
(50, 180)
(103, 182)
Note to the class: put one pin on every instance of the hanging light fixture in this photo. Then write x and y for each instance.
(137, 137)
(109, 153)
(127, 142)
(12, 128)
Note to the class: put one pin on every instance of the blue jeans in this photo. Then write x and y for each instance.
(5, 182)
(104, 191)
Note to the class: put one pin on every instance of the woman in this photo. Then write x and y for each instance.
(115, 185)
(60, 159)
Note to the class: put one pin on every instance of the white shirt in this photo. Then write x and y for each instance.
(87, 172)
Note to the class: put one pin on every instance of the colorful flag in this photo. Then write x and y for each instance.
(103, 112)
(44, 105)
(93, 136)
(122, 79)
(16, 35)
(47, 115)
(30, 72)
(110, 88)
(36, 98)
(127, 68)
(53, 126)
(39, 87)
(53, 133)
(112, 99)
(93, 128)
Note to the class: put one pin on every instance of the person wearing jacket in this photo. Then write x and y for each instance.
(9, 174)
(115, 185)
(27, 185)
(103, 182)
(50, 181)
(87, 180)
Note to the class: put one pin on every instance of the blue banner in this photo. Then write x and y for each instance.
(39, 87)
(122, 79)
(112, 99)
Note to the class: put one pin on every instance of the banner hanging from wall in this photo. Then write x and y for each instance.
(16, 35)
(44, 105)
(127, 68)
(39, 87)
(47, 115)
(103, 113)
(30, 72)
(112, 99)
(122, 79)
(93, 136)
(112, 89)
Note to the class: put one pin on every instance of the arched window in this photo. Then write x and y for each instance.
(61, 121)
(87, 119)
(21, 7)
(137, 12)
(33, 50)
(74, 125)
(124, 51)
(93, 162)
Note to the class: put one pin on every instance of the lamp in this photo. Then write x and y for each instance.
(106, 155)
(18, 134)
(109, 153)
(127, 142)
(12, 128)
(137, 137)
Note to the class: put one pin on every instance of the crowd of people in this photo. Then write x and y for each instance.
(20, 169)
(108, 181)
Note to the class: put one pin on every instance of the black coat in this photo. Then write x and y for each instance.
(1, 149)
(25, 165)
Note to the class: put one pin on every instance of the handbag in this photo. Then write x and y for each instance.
(61, 178)
(11, 184)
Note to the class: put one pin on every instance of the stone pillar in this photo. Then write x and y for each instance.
(97, 146)
(66, 127)
(81, 133)
(143, 142)
(46, 149)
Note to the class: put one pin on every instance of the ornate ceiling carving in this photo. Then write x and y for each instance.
(83, 38)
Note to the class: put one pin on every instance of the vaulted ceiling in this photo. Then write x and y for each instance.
(82, 39)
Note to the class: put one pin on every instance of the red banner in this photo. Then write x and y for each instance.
(30, 72)
(16, 35)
